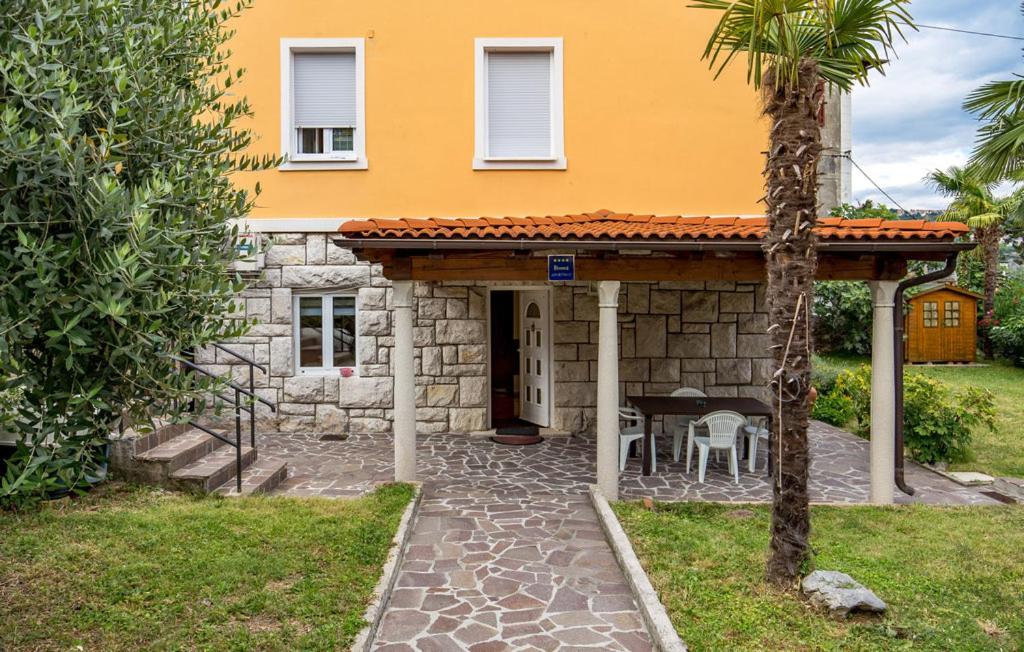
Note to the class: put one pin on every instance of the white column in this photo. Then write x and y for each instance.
(608, 390)
(405, 384)
(883, 378)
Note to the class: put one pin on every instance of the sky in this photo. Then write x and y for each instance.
(910, 121)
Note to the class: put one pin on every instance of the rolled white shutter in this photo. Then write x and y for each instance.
(325, 89)
(518, 104)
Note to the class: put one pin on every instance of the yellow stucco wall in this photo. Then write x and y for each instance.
(647, 129)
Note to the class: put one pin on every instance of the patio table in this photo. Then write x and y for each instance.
(693, 406)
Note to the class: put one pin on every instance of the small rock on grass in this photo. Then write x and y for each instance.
(840, 593)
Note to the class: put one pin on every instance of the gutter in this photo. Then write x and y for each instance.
(898, 329)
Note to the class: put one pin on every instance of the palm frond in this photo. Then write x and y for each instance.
(996, 98)
(958, 181)
(984, 220)
(863, 35)
(847, 38)
(999, 150)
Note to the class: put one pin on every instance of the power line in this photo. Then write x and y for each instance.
(849, 157)
(967, 31)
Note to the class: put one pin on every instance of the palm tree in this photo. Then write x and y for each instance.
(975, 203)
(794, 48)
(999, 151)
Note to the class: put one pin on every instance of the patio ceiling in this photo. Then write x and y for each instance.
(626, 247)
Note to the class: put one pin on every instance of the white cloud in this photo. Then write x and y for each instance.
(911, 121)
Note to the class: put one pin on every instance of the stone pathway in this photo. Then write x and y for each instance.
(528, 572)
(507, 553)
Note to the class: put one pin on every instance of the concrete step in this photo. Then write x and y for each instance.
(213, 469)
(162, 434)
(261, 477)
(181, 451)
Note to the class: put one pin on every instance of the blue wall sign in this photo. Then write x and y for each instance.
(562, 267)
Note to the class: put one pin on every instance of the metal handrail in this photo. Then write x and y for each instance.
(251, 363)
(212, 433)
(237, 403)
(228, 400)
(232, 385)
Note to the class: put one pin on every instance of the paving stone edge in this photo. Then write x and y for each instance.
(660, 628)
(389, 575)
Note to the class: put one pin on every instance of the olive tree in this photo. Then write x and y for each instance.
(118, 139)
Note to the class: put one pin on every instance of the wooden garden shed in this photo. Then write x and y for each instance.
(942, 325)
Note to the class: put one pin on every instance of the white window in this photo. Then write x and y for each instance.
(325, 333)
(519, 104)
(323, 124)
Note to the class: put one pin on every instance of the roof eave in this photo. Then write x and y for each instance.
(893, 246)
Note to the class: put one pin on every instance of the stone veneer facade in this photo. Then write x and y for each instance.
(705, 335)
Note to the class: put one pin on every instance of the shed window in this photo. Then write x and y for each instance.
(952, 313)
(931, 314)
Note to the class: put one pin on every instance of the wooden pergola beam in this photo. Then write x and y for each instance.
(505, 266)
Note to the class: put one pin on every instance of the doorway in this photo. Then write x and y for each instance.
(520, 346)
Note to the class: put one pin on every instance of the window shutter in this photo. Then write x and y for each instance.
(325, 89)
(518, 104)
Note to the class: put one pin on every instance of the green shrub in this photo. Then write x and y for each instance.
(970, 271)
(1008, 339)
(834, 408)
(119, 137)
(842, 317)
(1007, 325)
(824, 375)
(937, 423)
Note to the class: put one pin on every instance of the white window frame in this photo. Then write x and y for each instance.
(556, 160)
(289, 134)
(327, 343)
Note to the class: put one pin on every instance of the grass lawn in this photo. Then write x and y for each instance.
(952, 577)
(130, 568)
(997, 453)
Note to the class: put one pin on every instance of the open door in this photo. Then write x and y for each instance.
(534, 350)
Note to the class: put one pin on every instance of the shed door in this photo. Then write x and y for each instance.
(953, 343)
(942, 335)
(932, 348)
(534, 365)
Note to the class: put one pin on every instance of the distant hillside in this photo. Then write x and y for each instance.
(919, 214)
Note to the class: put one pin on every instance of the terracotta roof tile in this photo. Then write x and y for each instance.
(606, 225)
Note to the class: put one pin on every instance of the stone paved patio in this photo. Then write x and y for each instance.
(454, 465)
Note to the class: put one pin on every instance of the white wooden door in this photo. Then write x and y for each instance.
(534, 351)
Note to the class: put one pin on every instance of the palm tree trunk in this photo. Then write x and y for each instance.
(791, 183)
(990, 238)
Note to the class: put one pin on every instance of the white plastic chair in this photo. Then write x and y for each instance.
(723, 426)
(682, 426)
(630, 434)
(755, 430)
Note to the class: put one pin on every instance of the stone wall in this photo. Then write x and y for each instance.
(450, 346)
(297, 263)
(709, 336)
